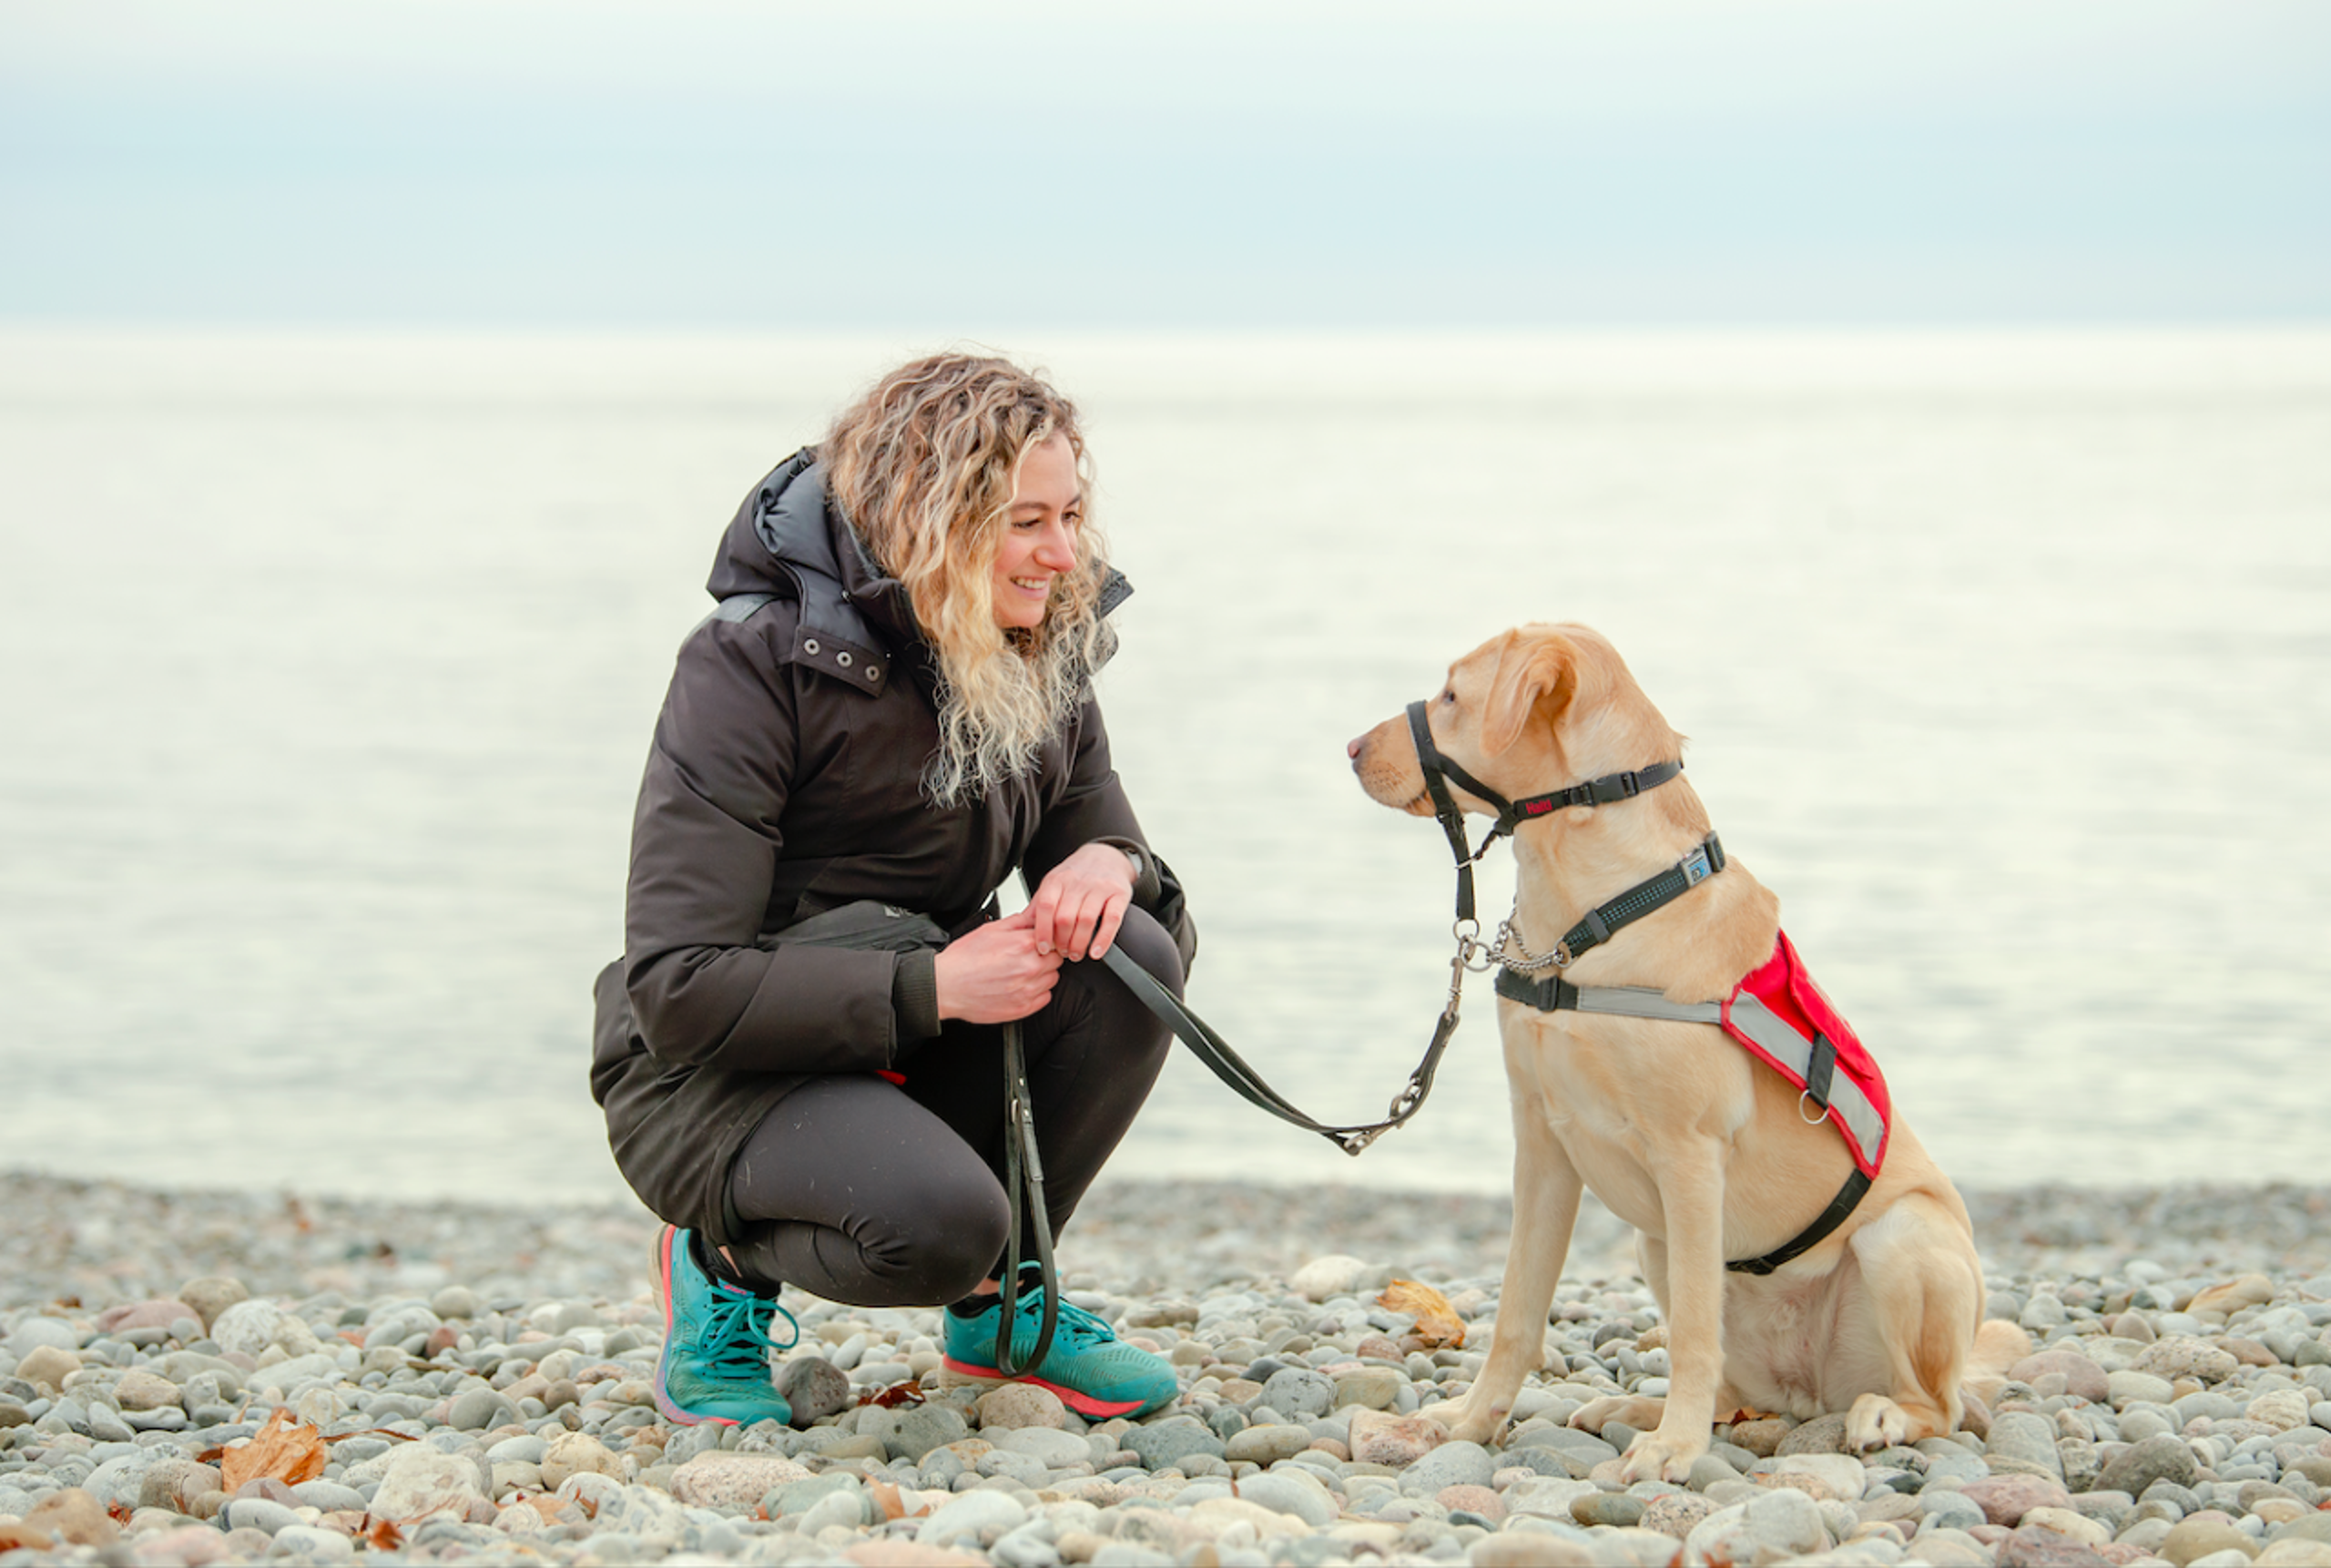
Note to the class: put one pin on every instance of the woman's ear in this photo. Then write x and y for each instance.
(1537, 674)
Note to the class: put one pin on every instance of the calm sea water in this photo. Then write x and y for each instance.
(327, 667)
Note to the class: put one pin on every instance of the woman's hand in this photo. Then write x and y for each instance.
(996, 974)
(1081, 902)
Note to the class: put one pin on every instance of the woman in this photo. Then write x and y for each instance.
(890, 704)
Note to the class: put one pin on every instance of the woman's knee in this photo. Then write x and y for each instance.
(940, 1250)
(1151, 946)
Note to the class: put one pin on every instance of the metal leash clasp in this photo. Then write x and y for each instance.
(1473, 955)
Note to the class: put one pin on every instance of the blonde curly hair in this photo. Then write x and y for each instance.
(925, 465)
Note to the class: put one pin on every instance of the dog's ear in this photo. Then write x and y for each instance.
(1537, 674)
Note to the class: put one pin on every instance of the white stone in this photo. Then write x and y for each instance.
(256, 1326)
(1335, 1275)
(972, 1518)
(1292, 1488)
(33, 1332)
(1831, 1475)
(1216, 1514)
(732, 1480)
(2069, 1522)
(421, 1484)
(1546, 1496)
(313, 1543)
(1056, 1448)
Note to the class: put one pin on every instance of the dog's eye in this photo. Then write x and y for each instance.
(1447, 695)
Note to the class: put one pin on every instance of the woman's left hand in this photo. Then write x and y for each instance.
(1081, 902)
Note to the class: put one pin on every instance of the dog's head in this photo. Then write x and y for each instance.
(1531, 710)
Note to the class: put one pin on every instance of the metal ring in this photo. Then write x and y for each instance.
(1810, 1121)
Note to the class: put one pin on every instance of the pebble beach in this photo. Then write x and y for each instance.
(190, 1377)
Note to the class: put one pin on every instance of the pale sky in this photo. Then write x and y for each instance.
(990, 167)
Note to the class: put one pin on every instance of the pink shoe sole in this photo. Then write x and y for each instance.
(1082, 1404)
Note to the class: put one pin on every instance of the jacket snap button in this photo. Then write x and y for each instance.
(808, 645)
(843, 660)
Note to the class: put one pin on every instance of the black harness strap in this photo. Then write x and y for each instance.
(1594, 928)
(1849, 1197)
(1438, 771)
(1819, 1068)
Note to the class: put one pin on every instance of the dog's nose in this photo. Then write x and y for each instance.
(1351, 746)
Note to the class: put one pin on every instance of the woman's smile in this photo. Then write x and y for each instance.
(1039, 540)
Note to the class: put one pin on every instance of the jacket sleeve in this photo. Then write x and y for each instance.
(1091, 807)
(705, 842)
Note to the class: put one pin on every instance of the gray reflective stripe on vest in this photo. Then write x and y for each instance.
(1850, 1107)
(1855, 1116)
(1641, 1002)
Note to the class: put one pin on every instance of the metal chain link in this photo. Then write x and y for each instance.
(1509, 951)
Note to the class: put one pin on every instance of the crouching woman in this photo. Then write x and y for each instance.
(889, 711)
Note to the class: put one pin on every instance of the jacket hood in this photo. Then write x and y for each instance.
(786, 526)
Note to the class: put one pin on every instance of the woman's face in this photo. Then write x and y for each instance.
(1039, 535)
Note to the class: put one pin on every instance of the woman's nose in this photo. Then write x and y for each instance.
(1057, 549)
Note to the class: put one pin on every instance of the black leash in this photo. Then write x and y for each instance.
(1024, 1183)
(1227, 1065)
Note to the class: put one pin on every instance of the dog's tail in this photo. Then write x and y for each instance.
(1998, 1345)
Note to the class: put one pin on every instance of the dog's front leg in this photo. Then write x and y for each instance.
(1546, 1188)
(1691, 1196)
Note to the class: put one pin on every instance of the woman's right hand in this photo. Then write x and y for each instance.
(994, 974)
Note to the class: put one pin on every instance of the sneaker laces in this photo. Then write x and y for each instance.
(1072, 1320)
(737, 1329)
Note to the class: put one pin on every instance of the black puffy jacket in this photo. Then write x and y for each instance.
(785, 778)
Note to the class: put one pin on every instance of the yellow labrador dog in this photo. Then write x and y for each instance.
(1710, 1154)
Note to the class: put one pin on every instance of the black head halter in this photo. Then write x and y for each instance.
(1511, 814)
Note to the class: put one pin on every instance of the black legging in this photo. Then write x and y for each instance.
(860, 1191)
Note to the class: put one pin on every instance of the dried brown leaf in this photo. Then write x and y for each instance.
(1437, 1325)
(384, 1536)
(284, 1447)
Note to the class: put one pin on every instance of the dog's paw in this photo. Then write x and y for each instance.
(1874, 1422)
(1463, 1423)
(1655, 1457)
(1640, 1413)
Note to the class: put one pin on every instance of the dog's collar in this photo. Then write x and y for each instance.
(1439, 770)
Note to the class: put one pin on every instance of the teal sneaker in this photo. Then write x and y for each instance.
(715, 1365)
(1095, 1373)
